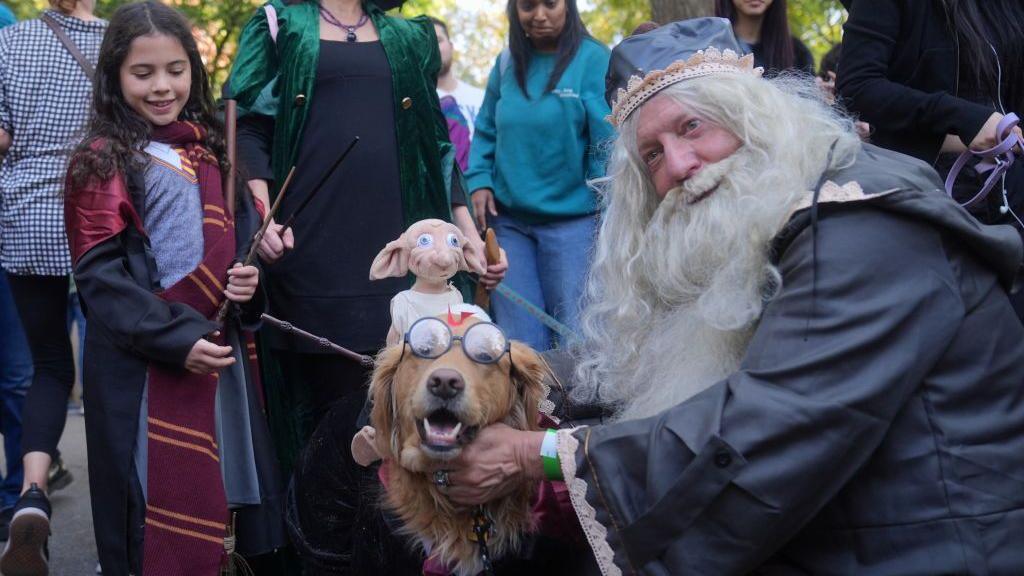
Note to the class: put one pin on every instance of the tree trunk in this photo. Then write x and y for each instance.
(665, 11)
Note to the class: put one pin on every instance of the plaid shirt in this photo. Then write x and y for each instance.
(45, 99)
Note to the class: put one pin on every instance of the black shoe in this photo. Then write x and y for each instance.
(58, 476)
(25, 553)
(5, 522)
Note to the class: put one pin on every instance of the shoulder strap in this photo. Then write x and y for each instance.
(87, 67)
(504, 61)
(271, 20)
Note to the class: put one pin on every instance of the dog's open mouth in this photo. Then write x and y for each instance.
(442, 431)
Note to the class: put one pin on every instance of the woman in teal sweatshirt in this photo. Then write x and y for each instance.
(537, 142)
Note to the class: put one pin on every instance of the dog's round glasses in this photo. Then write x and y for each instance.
(431, 338)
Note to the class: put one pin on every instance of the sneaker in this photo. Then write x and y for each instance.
(58, 477)
(5, 522)
(25, 552)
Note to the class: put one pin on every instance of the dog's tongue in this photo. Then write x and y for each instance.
(442, 433)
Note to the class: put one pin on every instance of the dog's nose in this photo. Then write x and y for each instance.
(445, 383)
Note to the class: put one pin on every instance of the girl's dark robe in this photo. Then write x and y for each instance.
(131, 327)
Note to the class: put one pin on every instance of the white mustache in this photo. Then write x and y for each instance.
(705, 180)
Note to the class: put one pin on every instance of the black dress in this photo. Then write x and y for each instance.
(323, 285)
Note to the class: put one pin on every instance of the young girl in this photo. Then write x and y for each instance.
(762, 27)
(175, 433)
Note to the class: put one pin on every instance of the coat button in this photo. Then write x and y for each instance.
(300, 100)
(406, 103)
(723, 459)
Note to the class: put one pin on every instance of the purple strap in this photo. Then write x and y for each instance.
(996, 160)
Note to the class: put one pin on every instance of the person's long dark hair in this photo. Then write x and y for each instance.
(116, 132)
(984, 28)
(776, 39)
(569, 42)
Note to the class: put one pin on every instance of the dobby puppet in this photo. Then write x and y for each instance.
(434, 251)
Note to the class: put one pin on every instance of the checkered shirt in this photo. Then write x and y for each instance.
(45, 99)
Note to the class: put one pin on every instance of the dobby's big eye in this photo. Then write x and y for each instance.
(425, 241)
(453, 240)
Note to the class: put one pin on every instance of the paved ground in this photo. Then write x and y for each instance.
(72, 547)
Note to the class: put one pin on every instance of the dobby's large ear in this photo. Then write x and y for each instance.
(528, 373)
(392, 261)
(472, 258)
(384, 415)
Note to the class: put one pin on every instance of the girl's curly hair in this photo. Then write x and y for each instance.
(117, 133)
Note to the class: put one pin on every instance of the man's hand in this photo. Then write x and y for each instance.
(273, 245)
(483, 204)
(494, 464)
(207, 357)
(242, 282)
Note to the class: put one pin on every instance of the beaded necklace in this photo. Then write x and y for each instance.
(350, 28)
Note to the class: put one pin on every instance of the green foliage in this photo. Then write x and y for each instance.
(819, 23)
(478, 29)
(217, 25)
(478, 35)
(612, 20)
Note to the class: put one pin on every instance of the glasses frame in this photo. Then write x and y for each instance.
(452, 338)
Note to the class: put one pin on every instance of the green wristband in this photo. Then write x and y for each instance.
(549, 456)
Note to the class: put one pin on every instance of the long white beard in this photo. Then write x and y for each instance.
(704, 276)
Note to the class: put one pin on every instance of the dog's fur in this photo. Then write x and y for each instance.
(401, 400)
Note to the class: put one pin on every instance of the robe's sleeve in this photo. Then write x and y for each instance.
(255, 68)
(718, 483)
(134, 318)
(97, 216)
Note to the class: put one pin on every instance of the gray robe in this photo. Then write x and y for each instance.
(876, 423)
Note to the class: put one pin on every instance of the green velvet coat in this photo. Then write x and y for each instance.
(277, 79)
(261, 84)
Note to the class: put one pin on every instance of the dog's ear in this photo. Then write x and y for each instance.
(528, 373)
(392, 261)
(384, 415)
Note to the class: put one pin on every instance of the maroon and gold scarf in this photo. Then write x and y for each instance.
(186, 508)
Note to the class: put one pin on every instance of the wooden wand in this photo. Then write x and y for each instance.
(222, 312)
(323, 343)
(493, 254)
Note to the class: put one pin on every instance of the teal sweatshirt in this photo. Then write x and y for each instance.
(537, 154)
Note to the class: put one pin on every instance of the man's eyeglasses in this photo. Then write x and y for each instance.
(431, 338)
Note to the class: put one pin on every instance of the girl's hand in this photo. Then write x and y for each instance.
(207, 357)
(494, 464)
(273, 245)
(242, 282)
(483, 204)
(495, 272)
(987, 136)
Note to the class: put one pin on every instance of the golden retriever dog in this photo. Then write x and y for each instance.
(426, 409)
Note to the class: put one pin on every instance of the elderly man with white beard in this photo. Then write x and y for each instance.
(804, 350)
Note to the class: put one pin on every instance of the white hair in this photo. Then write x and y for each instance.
(675, 290)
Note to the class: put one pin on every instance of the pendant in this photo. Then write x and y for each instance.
(351, 35)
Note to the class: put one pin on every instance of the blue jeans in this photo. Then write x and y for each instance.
(547, 265)
(15, 379)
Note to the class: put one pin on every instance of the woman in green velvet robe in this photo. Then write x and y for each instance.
(309, 77)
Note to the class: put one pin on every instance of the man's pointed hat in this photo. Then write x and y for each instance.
(644, 64)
